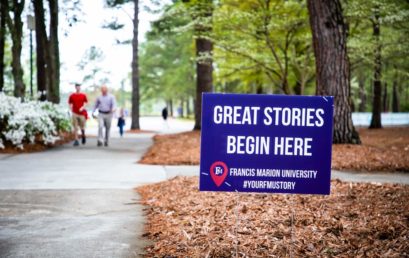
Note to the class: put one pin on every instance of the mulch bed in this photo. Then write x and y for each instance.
(37, 147)
(174, 149)
(381, 150)
(356, 220)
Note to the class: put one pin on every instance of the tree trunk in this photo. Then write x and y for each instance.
(332, 64)
(385, 99)
(297, 88)
(53, 93)
(352, 104)
(42, 50)
(259, 83)
(204, 78)
(188, 112)
(362, 93)
(171, 108)
(168, 106)
(204, 66)
(395, 96)
(16, 29)
(377, 85)
(182, 108)
(135, 69)
(407, 92)
(284, 85)
(3, 14)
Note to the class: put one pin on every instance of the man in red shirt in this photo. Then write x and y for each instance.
(77, 102)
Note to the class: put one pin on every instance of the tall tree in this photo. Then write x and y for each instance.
(167, 63)
(263, 43)
(377, 35)
(385, 98)
(3, 31)
(135, 69)
(53, 93)
(135, 63)
(41, 47)
(90, 66)
(332, 64)
(48, 55)
(377, 83)
(15, 26)
(203, 11)
(395, 94)
(361, 92)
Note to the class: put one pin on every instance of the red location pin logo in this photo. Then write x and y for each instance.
(218, 172)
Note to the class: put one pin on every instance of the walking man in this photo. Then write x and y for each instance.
(106, 107)
(77, 102)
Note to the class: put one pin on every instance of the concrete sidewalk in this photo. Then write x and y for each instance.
(74, 201)
(84, 167)
(78, 201)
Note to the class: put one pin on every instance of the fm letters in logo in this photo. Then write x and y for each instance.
(218, 172)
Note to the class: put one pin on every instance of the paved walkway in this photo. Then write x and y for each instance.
(80, 202)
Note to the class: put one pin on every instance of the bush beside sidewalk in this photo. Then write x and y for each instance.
(31, 123)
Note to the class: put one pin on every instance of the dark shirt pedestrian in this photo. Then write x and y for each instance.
(121, 124)
(165, 113)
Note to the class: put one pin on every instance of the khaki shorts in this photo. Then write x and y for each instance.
(78, 121)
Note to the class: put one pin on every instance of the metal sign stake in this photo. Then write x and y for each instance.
(292, 227)
(237, 224)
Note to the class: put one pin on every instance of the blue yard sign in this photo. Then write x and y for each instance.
(266, 143)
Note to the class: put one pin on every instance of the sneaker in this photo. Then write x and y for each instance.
(76, 143)
(84, 139)
(99, 144)
(106, 144)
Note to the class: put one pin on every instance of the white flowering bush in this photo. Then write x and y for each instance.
(31, 121)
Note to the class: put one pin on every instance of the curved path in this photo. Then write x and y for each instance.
(80, 202)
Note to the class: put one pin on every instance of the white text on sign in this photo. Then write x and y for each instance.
(271, 116)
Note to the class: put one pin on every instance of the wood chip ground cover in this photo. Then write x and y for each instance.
(381, 150)
(356, 220)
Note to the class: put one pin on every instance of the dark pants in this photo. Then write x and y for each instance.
(121, 130)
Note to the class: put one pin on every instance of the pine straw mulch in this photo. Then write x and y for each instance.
(37, 147)
(356, 220)
(381, 150)
(174, 149)
(384, 149)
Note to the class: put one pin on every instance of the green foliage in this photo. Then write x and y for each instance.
(264, 42)
(166, 61)
(117, 3)
(394, 32)
(265, 46)
(90, 65)
(113, 25)
(260, 46)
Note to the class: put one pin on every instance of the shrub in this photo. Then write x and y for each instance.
(31, 121)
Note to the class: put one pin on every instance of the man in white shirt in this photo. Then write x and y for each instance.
(106, 106)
